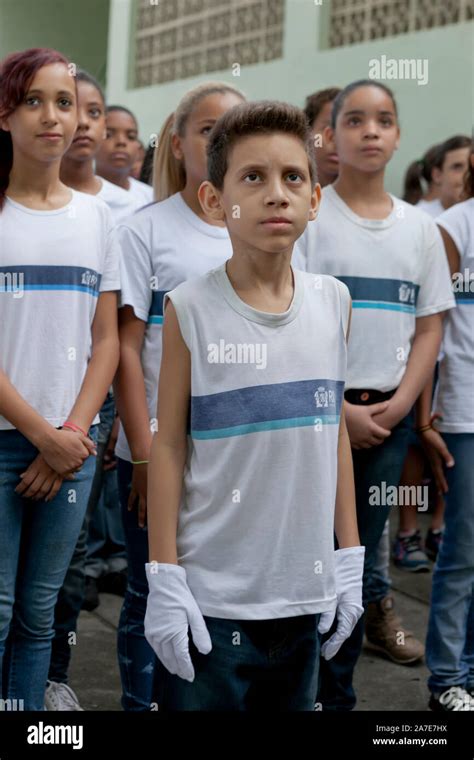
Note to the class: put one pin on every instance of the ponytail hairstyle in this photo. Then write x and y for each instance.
(418, 170)
(17, 71)
(469, 178)
(169, 174)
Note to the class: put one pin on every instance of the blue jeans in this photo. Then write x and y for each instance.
(254, 665)
(105, 539)
(371, 467)
(137, 660)
(71, 595)
(37, 540)
(450, 639)
(380, 582)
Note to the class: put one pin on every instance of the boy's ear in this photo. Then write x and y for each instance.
(315, 201)
(210, 201)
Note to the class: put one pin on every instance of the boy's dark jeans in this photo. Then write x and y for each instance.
(254, 665)
(371, 467)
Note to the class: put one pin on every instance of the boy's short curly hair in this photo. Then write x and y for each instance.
(262, 117)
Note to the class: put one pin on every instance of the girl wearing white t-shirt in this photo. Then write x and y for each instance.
(58, 354)
(103, 523)
(163, 245)
(450, 639)
(390, 255)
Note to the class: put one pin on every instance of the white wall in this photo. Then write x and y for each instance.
(428, 113)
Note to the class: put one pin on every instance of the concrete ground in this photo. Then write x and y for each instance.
(379, 683)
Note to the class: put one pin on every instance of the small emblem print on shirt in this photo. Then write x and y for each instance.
(237, 353)
(89, 278)
(324, 398)
(406, 293)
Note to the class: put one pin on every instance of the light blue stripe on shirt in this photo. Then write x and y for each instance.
(257, 427)
(381, 305)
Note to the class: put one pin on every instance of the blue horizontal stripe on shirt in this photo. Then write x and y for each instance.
(381, 291)
(49, 277)
(156, 307)
(155, 320)
(262, 407)
(379, 305)
(257, 427)
(464, 297)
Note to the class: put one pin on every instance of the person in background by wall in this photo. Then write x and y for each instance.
(447, 166)
(117, 154)
(138, 163)
(318, 107)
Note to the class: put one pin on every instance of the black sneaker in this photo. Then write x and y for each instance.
(454, 699)
(91, 595)
(114, 583)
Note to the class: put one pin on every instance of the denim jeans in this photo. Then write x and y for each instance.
(105, 538)
(137, 660)
(380, 582)
(383, 463)
(71, 595)
(254, 665)
(450, 639)
(37, 540)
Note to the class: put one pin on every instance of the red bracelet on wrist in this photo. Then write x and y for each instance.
(73, 426)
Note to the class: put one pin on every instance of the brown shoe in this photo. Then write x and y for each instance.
(384, 633)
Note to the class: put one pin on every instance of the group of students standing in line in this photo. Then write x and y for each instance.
(248, 475)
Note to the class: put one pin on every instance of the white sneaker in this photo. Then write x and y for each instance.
(60, 696)
(455, 699)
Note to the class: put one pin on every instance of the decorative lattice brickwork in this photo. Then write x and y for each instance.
(354, 21)
(176, 39)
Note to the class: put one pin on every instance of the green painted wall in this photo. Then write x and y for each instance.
(78, 28)
(429, 113)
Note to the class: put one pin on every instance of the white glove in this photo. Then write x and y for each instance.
(349, 573)
(170, 610)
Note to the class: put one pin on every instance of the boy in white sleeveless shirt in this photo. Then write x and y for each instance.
(250, 473)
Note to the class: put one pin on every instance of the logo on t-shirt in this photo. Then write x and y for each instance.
(407, 293)
(89, 278)
(324, 398)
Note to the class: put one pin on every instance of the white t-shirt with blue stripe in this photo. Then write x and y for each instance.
(255, 531)
(454, 398)
(53, 265)
(163, 245)
(396, 270)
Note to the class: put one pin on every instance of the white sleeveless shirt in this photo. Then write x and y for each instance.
(256, 522)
